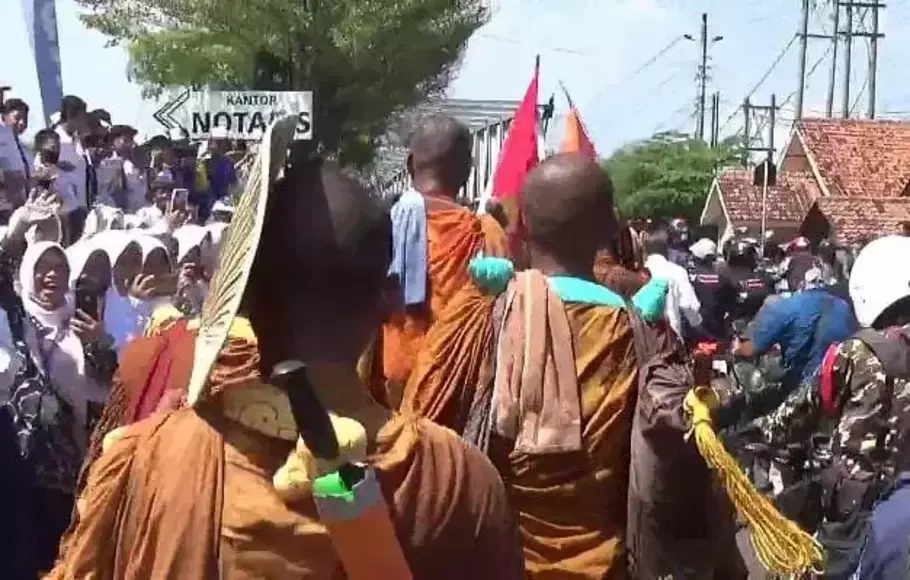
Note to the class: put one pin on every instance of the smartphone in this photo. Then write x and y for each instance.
(179, 198)
(87, 301)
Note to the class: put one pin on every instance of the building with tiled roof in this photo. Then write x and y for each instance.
(856, 220)
(838, 169)
(734, 202)
(853, 157)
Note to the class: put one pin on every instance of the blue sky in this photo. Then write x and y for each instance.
(593, 46)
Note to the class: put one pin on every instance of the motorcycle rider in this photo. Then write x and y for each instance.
(679, 242)
(752, 288)
(866, 488)
(714, 291)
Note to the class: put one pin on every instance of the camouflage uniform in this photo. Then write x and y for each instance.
(869, 439)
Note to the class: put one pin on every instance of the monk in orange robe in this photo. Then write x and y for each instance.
(435, 238)
(202, 492)
(543, 376)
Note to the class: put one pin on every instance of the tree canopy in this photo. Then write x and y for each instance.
(667, 175)
(364, 59)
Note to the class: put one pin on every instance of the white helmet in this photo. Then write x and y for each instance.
(880, 277)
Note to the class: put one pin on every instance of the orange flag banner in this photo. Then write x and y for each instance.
(575, 139)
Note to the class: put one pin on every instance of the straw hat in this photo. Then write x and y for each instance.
(236, 256)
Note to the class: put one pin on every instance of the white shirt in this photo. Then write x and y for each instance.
(71, 184)
(681, 299)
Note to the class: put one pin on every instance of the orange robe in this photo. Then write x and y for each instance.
(189, 494)
(572, 507)
(454, 237)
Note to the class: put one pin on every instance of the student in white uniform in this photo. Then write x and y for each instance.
(76, 165)
(121, 184)
(15, 161)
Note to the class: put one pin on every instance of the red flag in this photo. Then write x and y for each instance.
(519, 151)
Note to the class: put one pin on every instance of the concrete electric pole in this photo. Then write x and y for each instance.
(702, 76)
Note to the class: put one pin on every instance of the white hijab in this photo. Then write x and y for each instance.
(145, 308)
(59, 351)
(78, 255)
(121, 312)
(189, 237)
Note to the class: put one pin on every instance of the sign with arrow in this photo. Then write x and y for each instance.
(242, 115)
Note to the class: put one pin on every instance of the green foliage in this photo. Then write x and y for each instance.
(667, 175)
(364, 59)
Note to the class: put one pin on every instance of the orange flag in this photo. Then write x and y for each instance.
(575, 139)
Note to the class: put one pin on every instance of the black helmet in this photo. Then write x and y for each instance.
(742, 253)
(679, 232)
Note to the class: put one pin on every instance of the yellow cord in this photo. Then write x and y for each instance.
(780, 545)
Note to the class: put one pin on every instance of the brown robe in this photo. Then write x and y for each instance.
(188, 495)
(454, 237)
(572, 506)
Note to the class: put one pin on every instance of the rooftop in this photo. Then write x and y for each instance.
(788, 200)
(858, 157)
(854, 219)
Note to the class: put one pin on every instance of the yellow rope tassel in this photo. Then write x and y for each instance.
(781, 546)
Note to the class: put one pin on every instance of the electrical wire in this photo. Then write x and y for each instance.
(631, 76)
(672, 116)
(780, 56)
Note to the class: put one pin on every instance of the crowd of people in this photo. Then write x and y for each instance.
(94, 240)
(522, 387)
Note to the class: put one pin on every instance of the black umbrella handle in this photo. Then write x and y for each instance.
(312, 420)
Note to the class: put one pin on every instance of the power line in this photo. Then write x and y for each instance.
(644, 66)
(761, 81)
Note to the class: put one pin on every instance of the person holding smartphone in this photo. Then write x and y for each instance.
(65, 348)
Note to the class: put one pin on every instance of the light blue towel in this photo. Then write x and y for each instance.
(492, 276)
(409, 246)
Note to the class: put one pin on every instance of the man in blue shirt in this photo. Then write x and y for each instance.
(804, 325)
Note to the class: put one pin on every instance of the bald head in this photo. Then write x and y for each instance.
(439, 155)
(568, 205)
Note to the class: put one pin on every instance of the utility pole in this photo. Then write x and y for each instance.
(803, 51)
(702, 76)
(703, 81)
(848, 58)
(715, 121)
(873, 59)
(849, 33)
(832, 74)
(748, 110)
(765, 173)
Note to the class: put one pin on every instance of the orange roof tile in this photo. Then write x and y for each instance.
(860, 158)
(855, 218)
(788, 200)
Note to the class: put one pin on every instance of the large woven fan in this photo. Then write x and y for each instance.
(237, 252)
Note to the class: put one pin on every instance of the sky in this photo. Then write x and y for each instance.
(596, 48)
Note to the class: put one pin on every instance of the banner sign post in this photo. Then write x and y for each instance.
(244, 115)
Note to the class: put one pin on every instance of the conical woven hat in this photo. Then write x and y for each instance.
(235, 260)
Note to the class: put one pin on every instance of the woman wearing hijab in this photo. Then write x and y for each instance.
(126, 290)
(72, 355)
(156, 284)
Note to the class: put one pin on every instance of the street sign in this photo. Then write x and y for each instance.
(243, 114)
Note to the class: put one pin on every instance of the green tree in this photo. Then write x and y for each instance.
(667, 175)
(364, 59)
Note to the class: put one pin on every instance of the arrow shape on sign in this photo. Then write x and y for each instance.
(163, 115)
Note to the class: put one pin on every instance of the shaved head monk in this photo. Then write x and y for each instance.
(434, 238)
(543, 377)
(208, 491)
